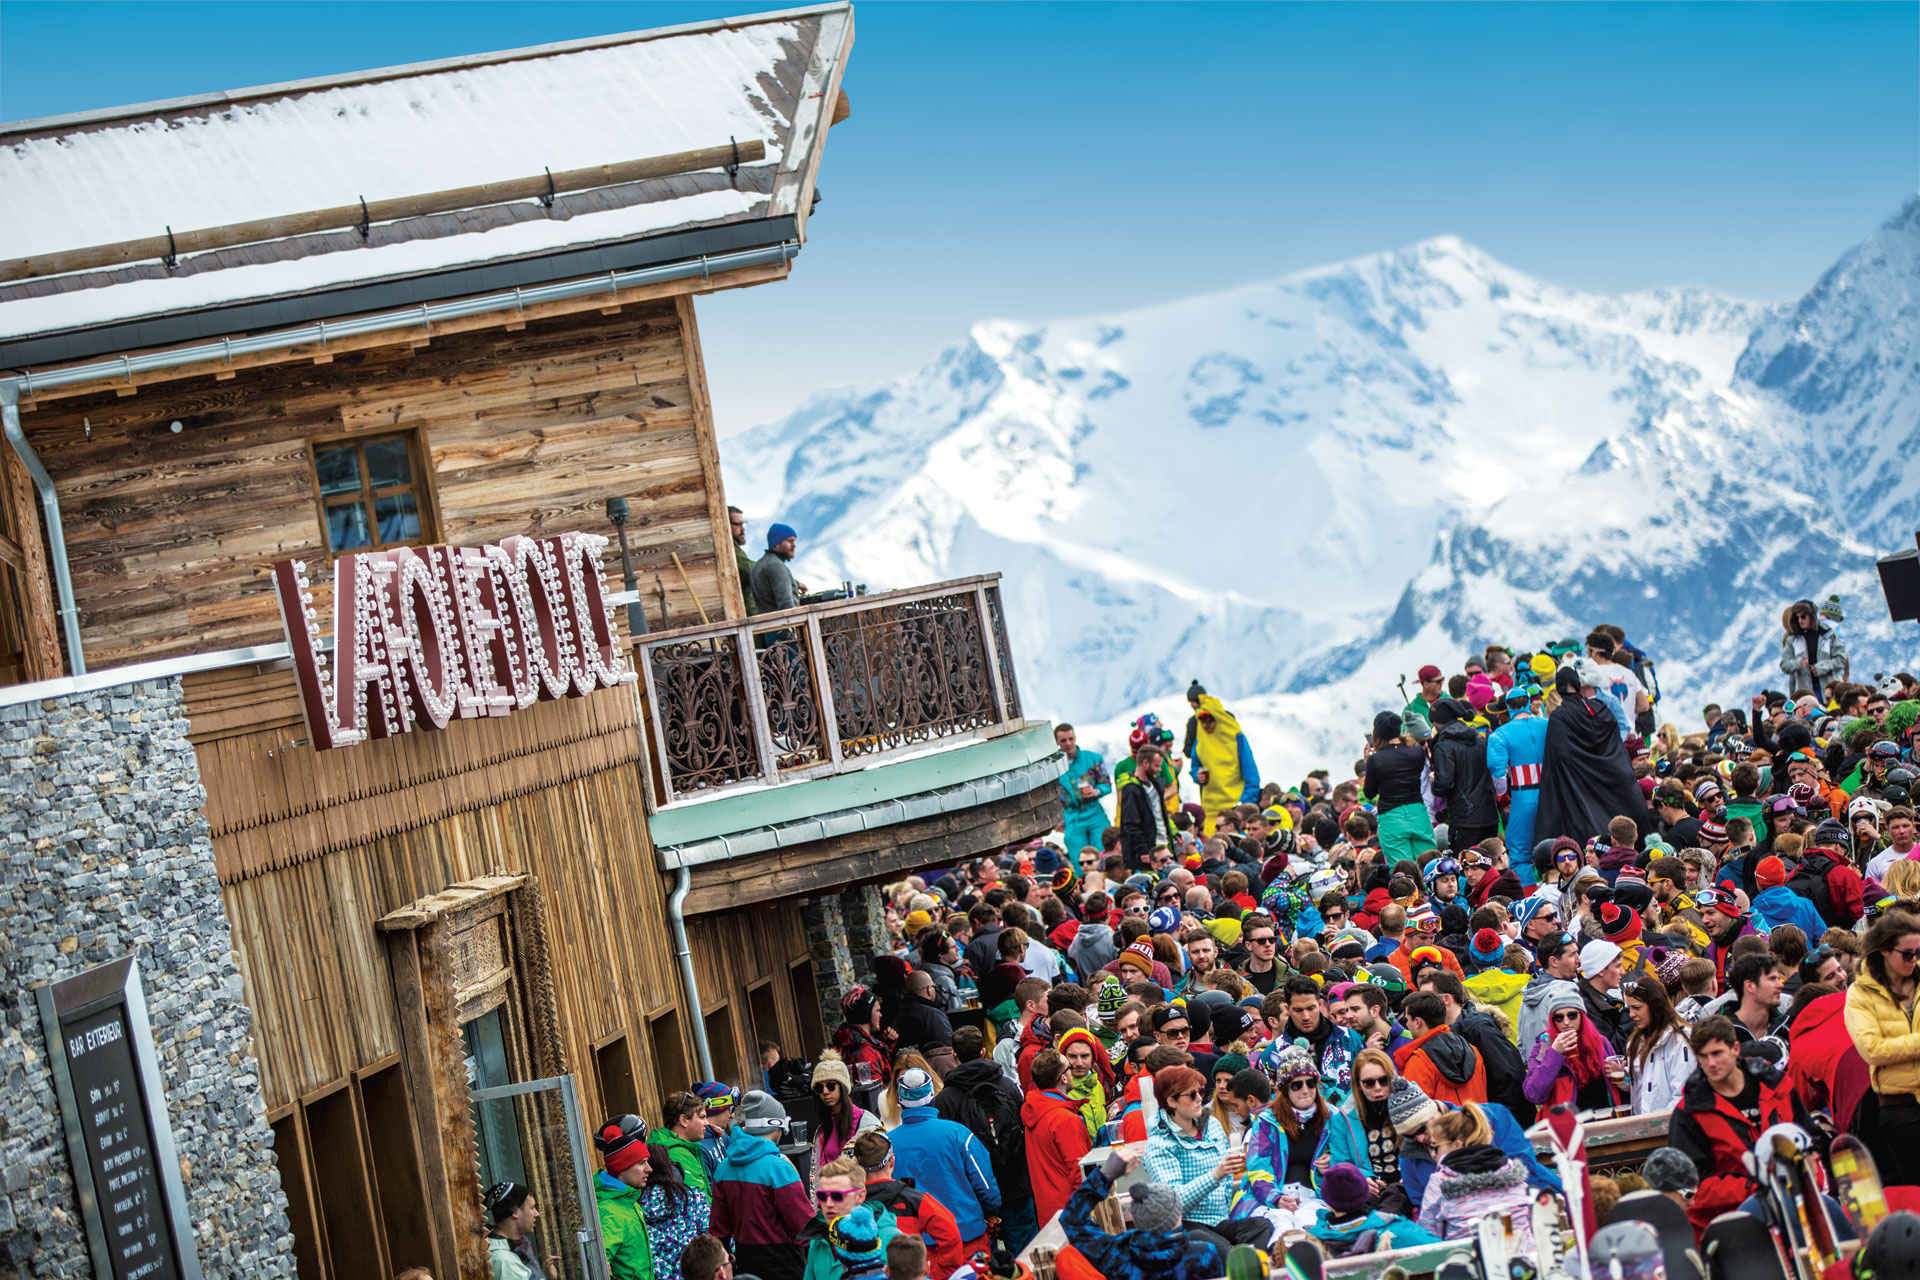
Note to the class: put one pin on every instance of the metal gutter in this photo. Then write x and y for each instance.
(525, 273)
(967, 795)
(683, 952)
(12, 386)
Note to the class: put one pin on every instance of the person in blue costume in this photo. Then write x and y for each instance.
(1515, 752)
(1081, 786)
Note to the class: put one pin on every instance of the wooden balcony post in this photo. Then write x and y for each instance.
(644, 654)
(991, 644)
(757, 717)
(823, 683)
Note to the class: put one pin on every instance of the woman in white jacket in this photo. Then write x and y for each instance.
(1659, 1057)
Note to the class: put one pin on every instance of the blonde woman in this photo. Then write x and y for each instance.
(1474, 1177)
(1903, 881)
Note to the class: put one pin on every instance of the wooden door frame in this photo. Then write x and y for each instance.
(434, 981)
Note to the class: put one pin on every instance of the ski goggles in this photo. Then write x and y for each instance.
(1717, 898)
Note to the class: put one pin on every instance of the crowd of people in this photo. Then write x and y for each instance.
(1336, 1007)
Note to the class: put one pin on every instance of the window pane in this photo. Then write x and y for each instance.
(347, 527)
(339, 469)
(399, 520)
(388, 463)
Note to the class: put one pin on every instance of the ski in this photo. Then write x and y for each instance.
(1738, 1246)
(1491, 1240)
(1569, 1141)
(1305, 1260)
(1246, 1263)
(1670, 1224)
(1856, 1184)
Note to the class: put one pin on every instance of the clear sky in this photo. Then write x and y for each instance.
(1038, 160)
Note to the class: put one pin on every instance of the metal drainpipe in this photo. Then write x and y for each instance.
(676, 908)
(56, 532)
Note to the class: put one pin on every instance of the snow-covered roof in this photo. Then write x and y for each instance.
(100, 177)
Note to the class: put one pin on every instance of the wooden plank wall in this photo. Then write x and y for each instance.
(171, 536)
(738, 949)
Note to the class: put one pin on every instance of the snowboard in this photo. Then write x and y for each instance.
(1738, 1246)
(1569, 1141)
(1795, 1207)
(1856, 1184)
(1305, 1260)
(1670, 1224)
(1492, 1245)
(1626, 1251)
(1246, 1263)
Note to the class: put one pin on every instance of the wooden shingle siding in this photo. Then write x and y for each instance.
(171, 536)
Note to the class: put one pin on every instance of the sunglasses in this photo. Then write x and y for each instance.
(1261, 942)
(825, 1085)
(1909, 954)
(1564, 856)
(1566, 1015)
(1375, 1082)
(1174, 1031)
(1189, 1093)
(1306, 1086)
(832, 1197)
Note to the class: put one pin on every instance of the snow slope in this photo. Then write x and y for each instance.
(1299, 490)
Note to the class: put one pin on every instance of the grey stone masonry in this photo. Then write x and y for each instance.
(832, 960)
(104, 853)
(865, 910)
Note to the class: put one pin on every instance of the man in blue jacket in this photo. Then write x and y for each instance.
(1081, 786)
(945, 1160)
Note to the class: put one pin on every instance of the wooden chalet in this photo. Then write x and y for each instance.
(453, 304)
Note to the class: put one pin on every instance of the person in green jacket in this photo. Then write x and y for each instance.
(686, 1124)
(616, 1190)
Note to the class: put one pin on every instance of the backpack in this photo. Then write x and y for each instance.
(1810, 882)
(989, 1114)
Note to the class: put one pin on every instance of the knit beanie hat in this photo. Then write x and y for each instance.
(1139, 955)
(832, 1068)
(855, 1238)
(1062, 878)
(1619, 924)
(762, 1113)
(914, 923)
(1229, 1024)
(1770, 873)
(1294, 1063)
(915, 1087)
(1344, 1188)
(1487, 947)
(1112, 997)
(1408, 1106)
(857, 1005)
(1667, 963)
(1564, 995)
(1006, 975)
(1526, 909)
(1156, 1207)
(720, 1098)
(1231, 1063)
(1595, 956)
(1667, 1170)
(1164, 920)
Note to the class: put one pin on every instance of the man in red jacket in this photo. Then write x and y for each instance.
(1711, 1125)
(1056, 1137)
(917, 1212)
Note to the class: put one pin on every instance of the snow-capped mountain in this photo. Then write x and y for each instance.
(1298, 491)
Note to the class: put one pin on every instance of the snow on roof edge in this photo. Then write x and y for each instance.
(229, 97)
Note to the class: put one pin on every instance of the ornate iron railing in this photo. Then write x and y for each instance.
(826, 688)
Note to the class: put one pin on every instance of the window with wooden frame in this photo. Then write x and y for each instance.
(372, 491)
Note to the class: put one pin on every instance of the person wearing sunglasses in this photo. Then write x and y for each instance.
(1261, 937)
(1188, 1151)
(1568, 1061)
(1881, 1017)
(1360, 1131)
(1289, 1138)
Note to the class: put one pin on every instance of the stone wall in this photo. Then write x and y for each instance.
(833, 969)
(104, 853)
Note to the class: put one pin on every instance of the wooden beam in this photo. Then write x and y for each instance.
(511, 318)
(826, 865)
(733, 600)
(362, 213)
(40, 631)
(438, 1166)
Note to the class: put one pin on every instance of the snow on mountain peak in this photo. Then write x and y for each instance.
(1295, 488)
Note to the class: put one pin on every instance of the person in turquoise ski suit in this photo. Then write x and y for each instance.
(1086, 819)
(1515, 752)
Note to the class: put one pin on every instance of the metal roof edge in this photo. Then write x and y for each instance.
(230, 97)
(169, 328)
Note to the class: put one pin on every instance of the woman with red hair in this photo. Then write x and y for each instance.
(1569, 1059)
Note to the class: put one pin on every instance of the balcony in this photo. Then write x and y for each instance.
(901, 709)
(826, 689)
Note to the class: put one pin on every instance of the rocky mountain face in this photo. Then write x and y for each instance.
(1300, 490)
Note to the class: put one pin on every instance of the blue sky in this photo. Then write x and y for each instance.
(1039, 160)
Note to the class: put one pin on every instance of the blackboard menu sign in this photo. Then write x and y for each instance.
(118, 1139)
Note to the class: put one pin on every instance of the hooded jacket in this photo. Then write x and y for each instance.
(1417, 1163)
(1092, 950)
(1534, 1006)
(760, 1205)
(1829, 657)
(623, 1230)
(821, 1264)
(1388, 1231)
(1499, 1057)
(672, 1226)
(1498, 989)
(1711, 1131)
(687, 1155)
(1887, 1036)
(1445, 1065)
(918, 1213)
(1780, 905)
(1474, 1181)
(1826, 1069)
(1056, 1139)
(1223, 754)
(1460, 774)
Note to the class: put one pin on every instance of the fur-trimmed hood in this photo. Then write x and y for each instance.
(1476, 1169)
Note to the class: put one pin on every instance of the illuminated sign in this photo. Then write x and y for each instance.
(425, 636)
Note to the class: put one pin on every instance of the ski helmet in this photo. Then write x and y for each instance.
(1892, 1252)
(1442, 866)
(1902, 775)
(1897, 794)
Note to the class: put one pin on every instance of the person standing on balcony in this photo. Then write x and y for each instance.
(1081, 787)
(774, 587)
(741, 560)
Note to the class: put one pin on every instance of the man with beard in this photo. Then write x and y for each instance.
(1674, 910)
(1587, 777)
(1203, 960)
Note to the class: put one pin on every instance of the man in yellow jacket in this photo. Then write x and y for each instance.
(1222, 760)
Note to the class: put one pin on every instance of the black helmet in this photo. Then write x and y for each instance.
(1902, 775)
(1895, 794)
(1892, 1252)
(618, 1134)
